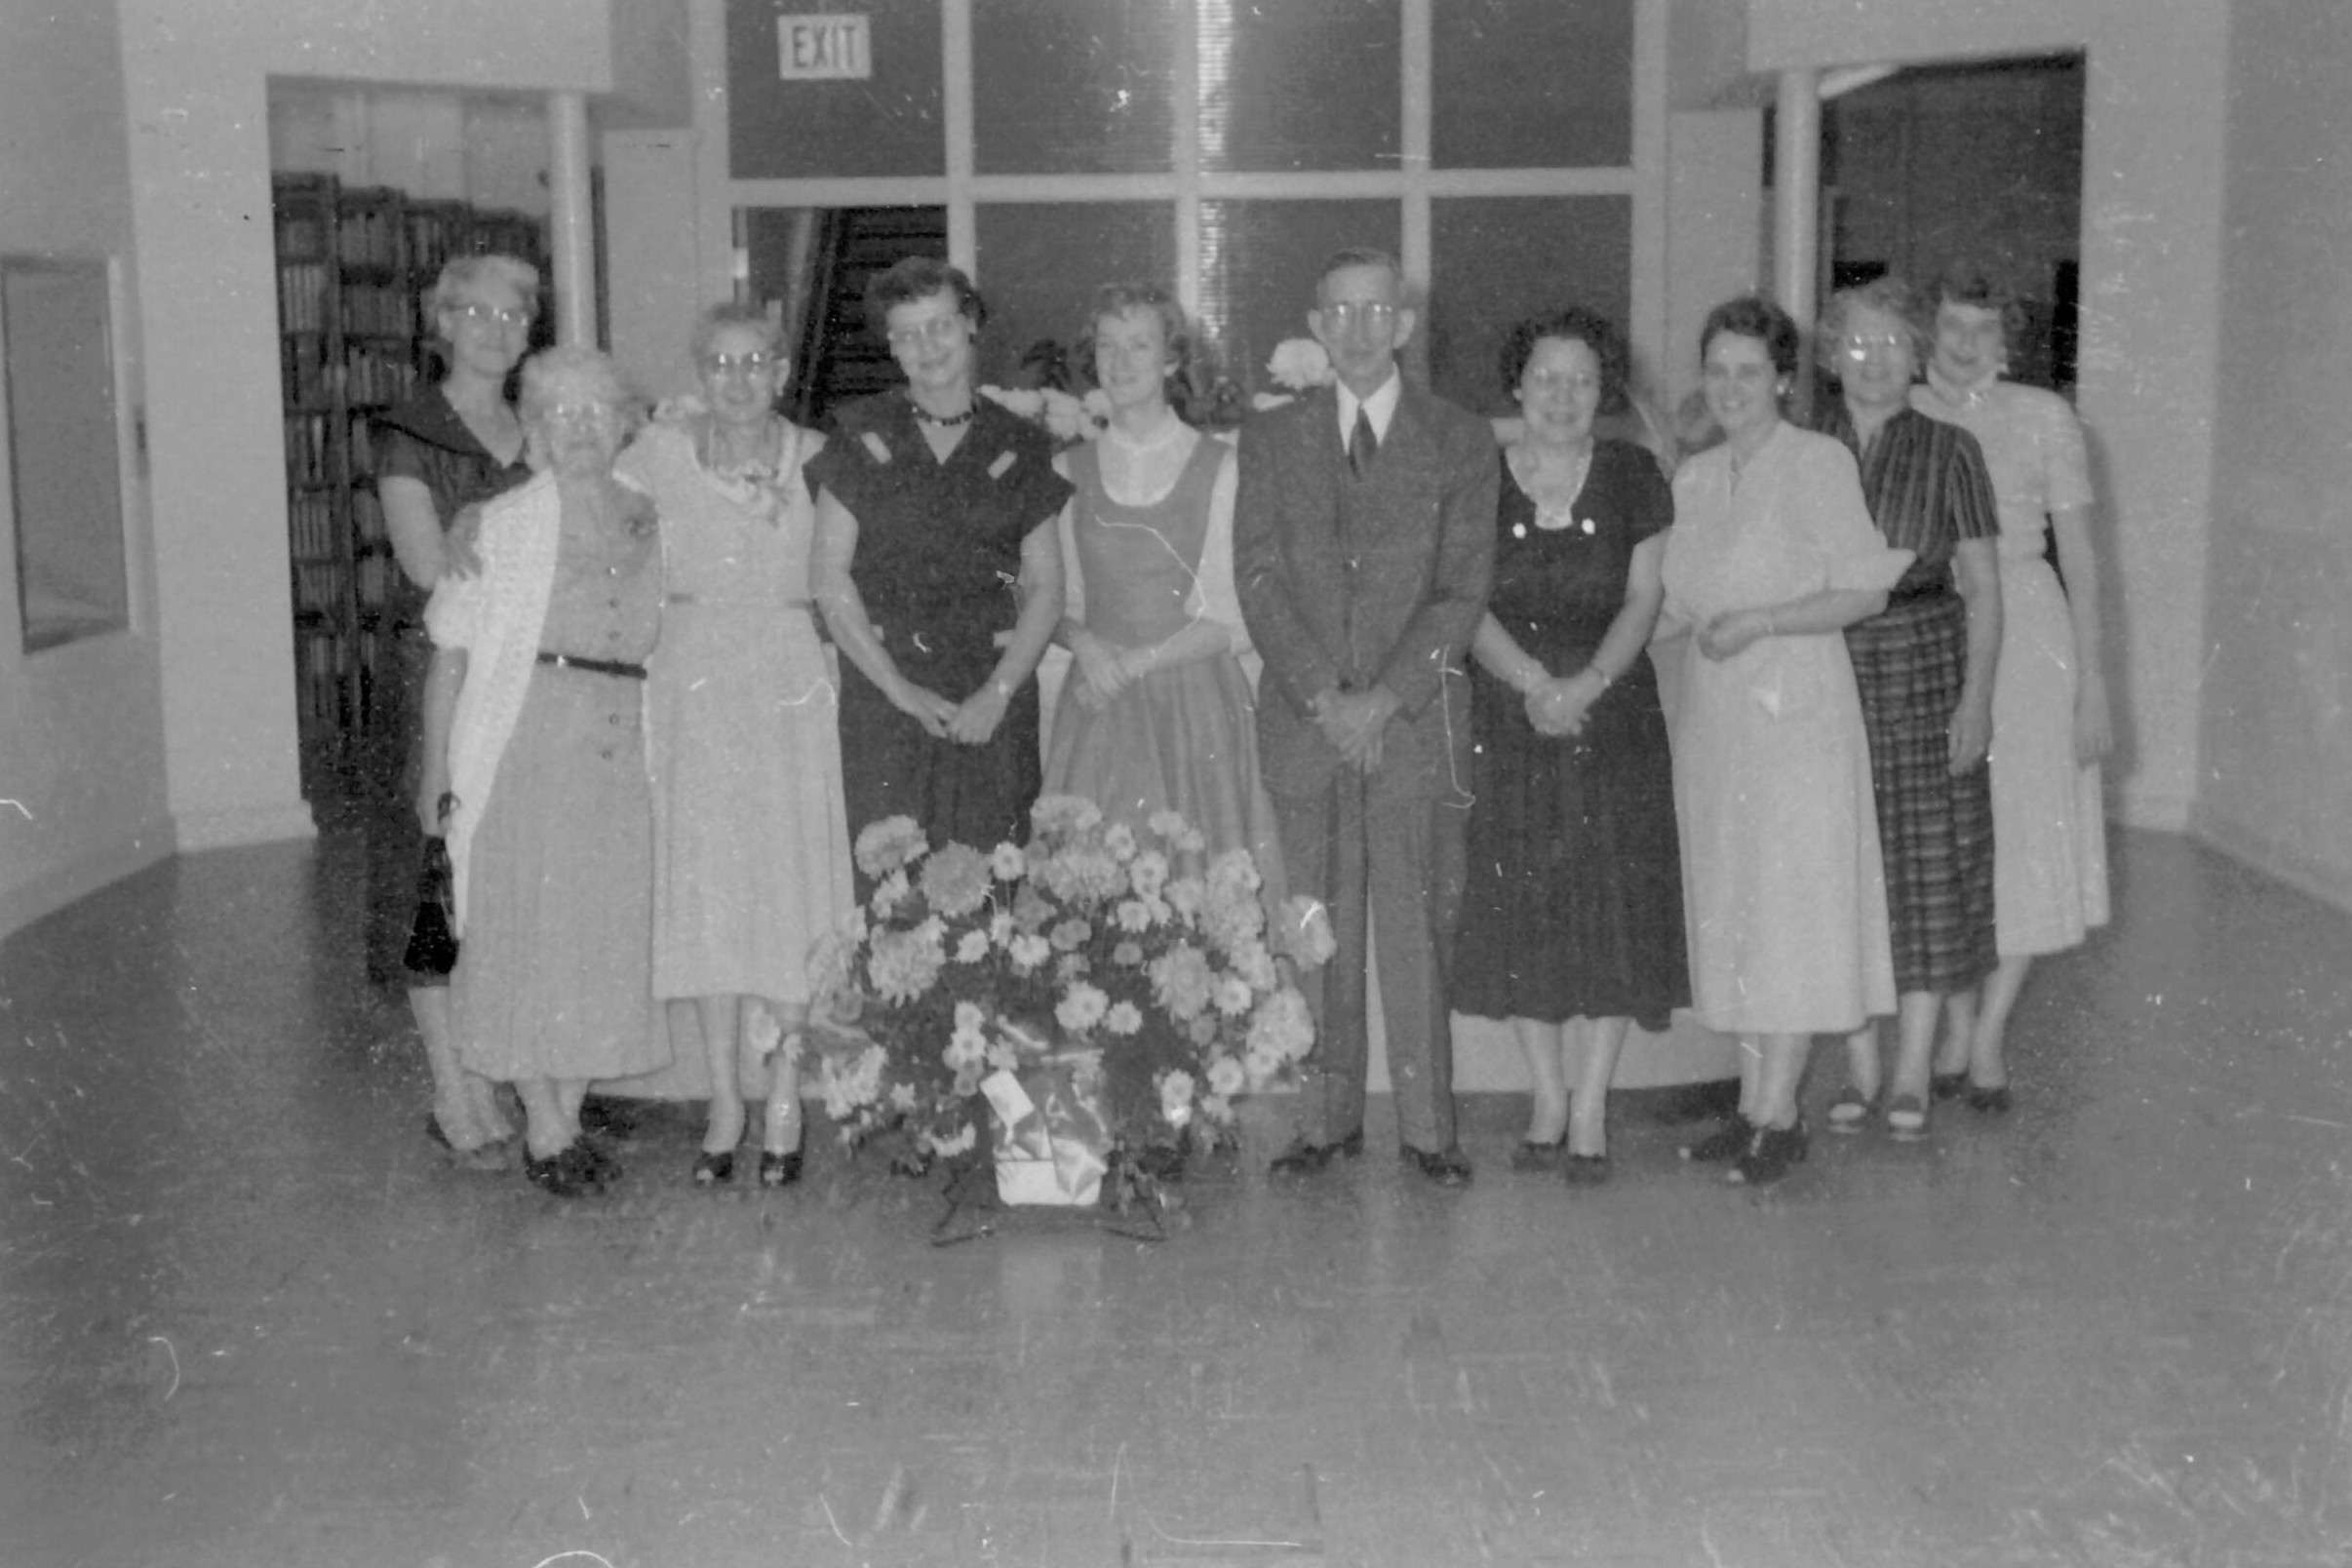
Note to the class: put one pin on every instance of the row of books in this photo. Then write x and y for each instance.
(309, 449)
(371, 579)
(311, 529)
(376, 379)
(302, 369)
(369, 236)
(318, 587)
(302, 295)
(372, 308)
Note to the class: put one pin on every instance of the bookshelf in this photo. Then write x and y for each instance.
(356, 267)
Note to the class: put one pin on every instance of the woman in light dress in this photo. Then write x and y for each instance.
(1156, 713)
(1772, 556)
(2050, 721)
(751, 850)
(533, 715)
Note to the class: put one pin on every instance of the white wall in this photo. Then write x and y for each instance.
(196, 74)
(2155, 105)
(82, 783)
(2277, 779)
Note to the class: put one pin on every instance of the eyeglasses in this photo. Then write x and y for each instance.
(756, 363)
(473, 310)
(938, 330)
(1560, 381)
(578, 413)
(1859, 346)
(1347, 313)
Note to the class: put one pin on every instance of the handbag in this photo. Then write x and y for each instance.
(433, 933)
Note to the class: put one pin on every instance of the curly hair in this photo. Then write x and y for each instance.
(1970, 282)
(1117, 298)
(1573, 324)
(554, 373)
(919, 277)
(1754, 316)
(462, 272)
(1887, 295)
(720, 318)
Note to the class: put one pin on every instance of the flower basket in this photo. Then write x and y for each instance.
(1099, 993)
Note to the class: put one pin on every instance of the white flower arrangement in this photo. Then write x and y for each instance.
(1064, 417)
(1298, 363)
(1098, 938)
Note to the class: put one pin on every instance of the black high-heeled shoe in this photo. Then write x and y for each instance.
(1725, 1143)
(1534, 1159)
(1993, 1099)
(1771, 1153)
(597, 1160)
(714, 1170)
(562, 1174)
(779, 1169)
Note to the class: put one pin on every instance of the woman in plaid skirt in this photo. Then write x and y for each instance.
(1925, 669)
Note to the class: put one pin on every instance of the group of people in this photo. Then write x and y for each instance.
(625, 724)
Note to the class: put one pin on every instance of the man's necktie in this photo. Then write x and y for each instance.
(1363, 446)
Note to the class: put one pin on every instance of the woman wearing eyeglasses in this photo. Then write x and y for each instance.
(1924, 666)
(938, 569)
(534, 726)
(751, 852)
(458, 444)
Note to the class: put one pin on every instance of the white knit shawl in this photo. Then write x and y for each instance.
(496, 617)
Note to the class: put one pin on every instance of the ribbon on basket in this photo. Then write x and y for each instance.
(1052, 1130)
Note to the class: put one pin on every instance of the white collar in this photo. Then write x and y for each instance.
(1381, 406)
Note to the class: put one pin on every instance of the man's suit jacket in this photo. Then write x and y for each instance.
(1356, 584)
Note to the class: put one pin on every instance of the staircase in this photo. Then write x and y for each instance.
(823, 268)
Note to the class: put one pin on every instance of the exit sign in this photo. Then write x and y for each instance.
(825, 49)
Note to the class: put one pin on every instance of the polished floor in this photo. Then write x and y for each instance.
(247, 1318)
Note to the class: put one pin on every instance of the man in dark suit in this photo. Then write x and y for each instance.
(1363, 544)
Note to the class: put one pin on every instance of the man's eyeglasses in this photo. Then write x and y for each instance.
(1348, 313)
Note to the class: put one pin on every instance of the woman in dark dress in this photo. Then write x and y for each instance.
(1573, 924)
(938, 569)
(452, 446)
(1924, 666)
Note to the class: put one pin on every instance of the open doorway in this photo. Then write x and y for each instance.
(1982, 160)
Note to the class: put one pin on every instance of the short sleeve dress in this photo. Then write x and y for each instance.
(2050, 833)
(1574, 908)
(553, 975)
(1928, 492)
(751, 850)
(1783, 890)
(423, 440)
(938, 563)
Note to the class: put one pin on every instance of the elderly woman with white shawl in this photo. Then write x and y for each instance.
(535, 770)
